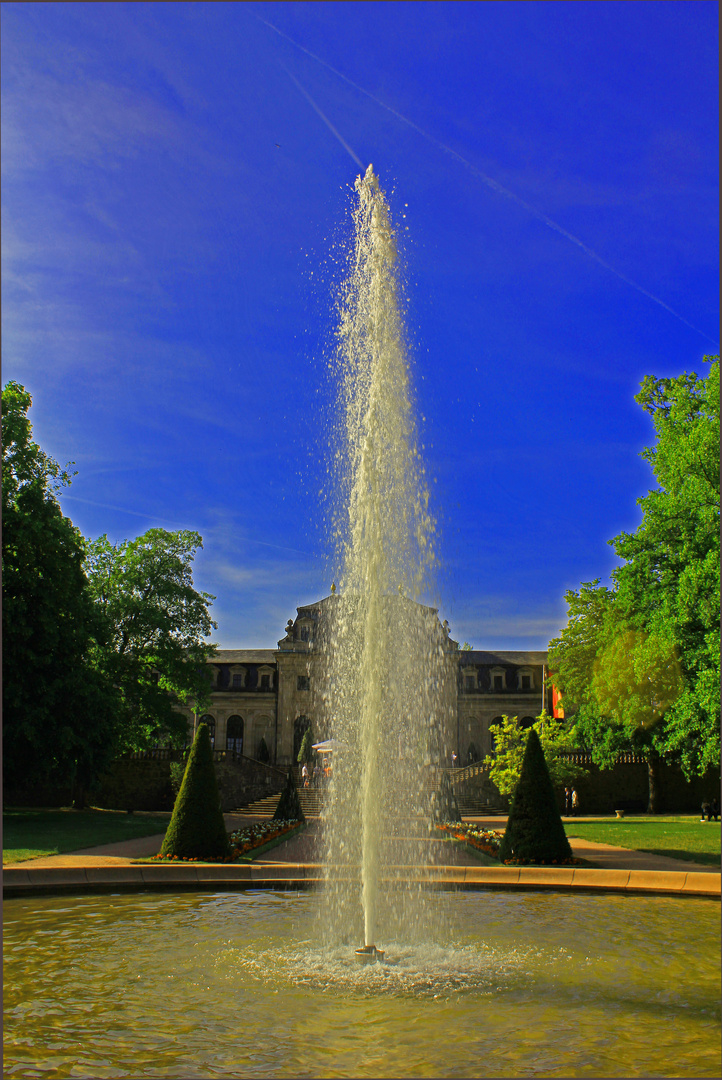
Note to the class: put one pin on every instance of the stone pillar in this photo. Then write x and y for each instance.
(285, 704)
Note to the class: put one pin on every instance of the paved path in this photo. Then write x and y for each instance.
(295, 863)
(605, 856)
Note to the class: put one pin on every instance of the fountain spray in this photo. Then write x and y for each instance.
(386, 656)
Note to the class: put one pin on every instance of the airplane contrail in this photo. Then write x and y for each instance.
(325, 119)
(488, 180)
(154, 517)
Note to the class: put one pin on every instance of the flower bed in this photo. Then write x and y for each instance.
(488, 841)
(484, 840)
(242, 841)
(255, 836)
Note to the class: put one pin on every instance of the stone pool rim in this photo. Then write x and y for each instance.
(24, 880)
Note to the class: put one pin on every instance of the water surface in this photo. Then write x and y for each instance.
(241, 984)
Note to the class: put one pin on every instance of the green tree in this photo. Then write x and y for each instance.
(154, 653)
(605, 670)
(264, 754)
(534, 831)
(669, 584)
(197, 829)
(638, 665)
(510, 741)
(60, 715)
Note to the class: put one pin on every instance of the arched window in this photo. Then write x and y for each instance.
(526, 722)
(210, 723)
(234, 734)
(300, 726)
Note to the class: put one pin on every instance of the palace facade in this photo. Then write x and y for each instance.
(274, 694)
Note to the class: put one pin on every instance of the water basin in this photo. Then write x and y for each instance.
(242, 984)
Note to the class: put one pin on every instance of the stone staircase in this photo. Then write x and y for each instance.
(311, 804)
(473, 797)
(472, 803)
(469, 806)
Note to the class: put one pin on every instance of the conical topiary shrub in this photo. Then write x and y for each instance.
(197, 829)
(444, 804)
(289, 805)
(534, 831)
(306, 751)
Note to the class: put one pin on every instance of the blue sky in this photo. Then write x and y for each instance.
(176, 192)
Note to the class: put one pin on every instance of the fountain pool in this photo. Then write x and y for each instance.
(240, 984)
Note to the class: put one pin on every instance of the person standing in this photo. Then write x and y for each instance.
(304, 774)
(567, 802)
(575, 802)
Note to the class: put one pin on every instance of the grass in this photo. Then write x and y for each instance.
(676, 836)
(29, 834)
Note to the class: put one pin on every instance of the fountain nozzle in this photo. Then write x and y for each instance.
(369, 954)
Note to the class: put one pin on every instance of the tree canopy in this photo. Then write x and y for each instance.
(155, 651)
(638, 664)
(58, 711)
(101, 641)
(510, 740)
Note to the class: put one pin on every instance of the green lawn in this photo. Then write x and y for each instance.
(676, 836)
(28, 834)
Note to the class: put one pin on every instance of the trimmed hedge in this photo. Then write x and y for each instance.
(306, 752)
(444, 805)
(197, 829)
(289, 805)
(534, 831)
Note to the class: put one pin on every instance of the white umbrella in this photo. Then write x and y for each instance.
(329, 746)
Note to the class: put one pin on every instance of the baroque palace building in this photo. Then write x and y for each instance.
(274, 694)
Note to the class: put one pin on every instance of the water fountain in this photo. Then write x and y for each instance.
(267, 984)
(388, 676)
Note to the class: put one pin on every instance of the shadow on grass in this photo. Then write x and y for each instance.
(704, 858)
(33, 833)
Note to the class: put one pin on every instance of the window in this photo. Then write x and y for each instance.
(497, 678)
(305, 633)
(237, 682)
(265, 682)
(526, 682)
(469, 682)
(234, 734)
(302, 682)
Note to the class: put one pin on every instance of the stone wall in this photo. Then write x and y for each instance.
(142, 782)
(623, 787)
(245, 781)
(45, 795)
(135, 785)
(626, 787)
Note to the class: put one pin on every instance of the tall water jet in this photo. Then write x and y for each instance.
(387, 684)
